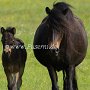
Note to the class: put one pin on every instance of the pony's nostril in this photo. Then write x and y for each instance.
(53, 50)
(57, 50)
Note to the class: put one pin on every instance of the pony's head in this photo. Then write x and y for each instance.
(59, 8)
(58, 23)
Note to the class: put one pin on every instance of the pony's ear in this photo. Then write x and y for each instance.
(13, 30)
(48, 11)
(2, 30)
(65, 11)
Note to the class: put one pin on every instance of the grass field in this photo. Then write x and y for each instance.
(26, 15)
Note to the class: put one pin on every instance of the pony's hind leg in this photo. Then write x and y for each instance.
(70, 82)
(54, 78)
(64, 80)
(75, 83)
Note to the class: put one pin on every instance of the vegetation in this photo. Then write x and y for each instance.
(26, 15)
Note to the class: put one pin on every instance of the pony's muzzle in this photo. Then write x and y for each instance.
(55, 51)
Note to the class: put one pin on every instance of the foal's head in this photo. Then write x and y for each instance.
(8, 38)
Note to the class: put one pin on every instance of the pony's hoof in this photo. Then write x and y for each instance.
(55, 88)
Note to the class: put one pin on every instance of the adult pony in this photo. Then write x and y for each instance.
(66, 41)
(13, 58)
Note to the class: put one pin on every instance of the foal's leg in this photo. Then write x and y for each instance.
(54, 78)
(70, 82)
(18, 79)
(14, 80)
(15, 87)
(19, 83)
(10, 79)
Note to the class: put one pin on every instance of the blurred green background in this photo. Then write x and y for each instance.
(26, 15)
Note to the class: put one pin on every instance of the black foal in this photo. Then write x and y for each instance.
(13, 58)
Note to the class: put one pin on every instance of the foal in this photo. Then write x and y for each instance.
(13, 58)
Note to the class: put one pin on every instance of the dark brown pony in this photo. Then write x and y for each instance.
(13, 58)
(60, 43)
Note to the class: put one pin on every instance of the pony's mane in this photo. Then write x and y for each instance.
(58, 16)
(62, 5)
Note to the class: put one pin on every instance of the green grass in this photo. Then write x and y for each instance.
(26, 15)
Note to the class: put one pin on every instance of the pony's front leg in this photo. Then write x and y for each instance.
(54, 78)
(70, 80)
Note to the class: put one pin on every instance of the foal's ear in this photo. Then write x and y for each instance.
(65, 11)
(48, 11)
(13, 31)
(2, 30)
